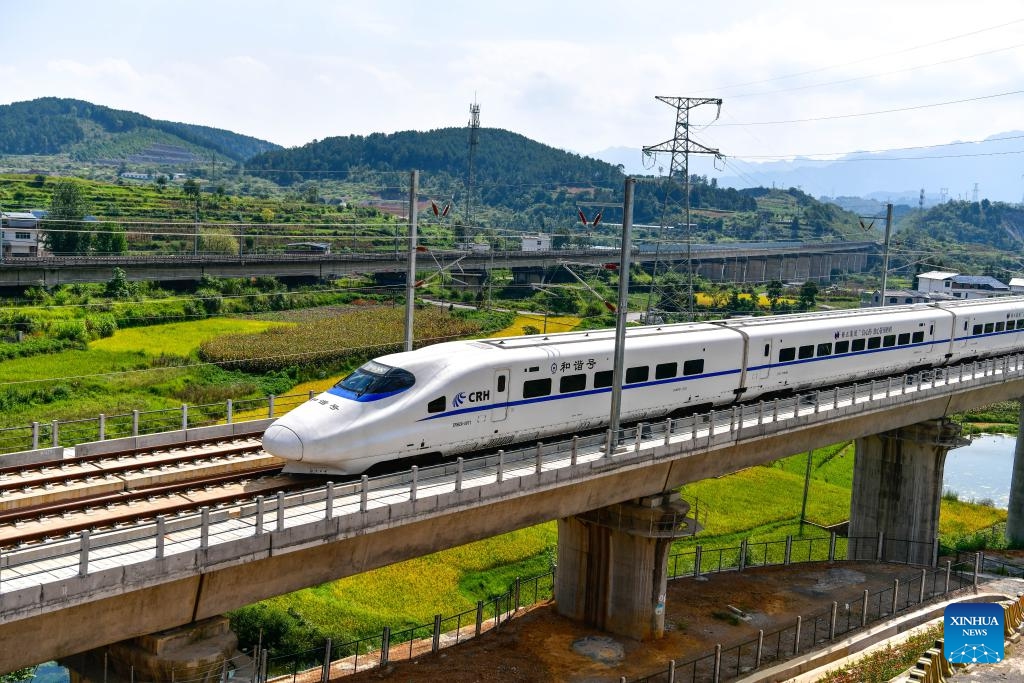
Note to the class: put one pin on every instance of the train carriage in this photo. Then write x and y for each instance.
(463, 396)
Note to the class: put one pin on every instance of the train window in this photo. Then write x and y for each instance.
(693, 367)
(917, 337)
(534, 368)
(874, 342)
(767, 349)
(842, 346)
(571, 383)
(602, 378)
(376, 378)
(805, 351)
(903, 339)
(501, 384)
(999, 327)
(824, 350)
(787, 354)
(665, 370)
(533, 388)
(858, 345)
(974, 330)
(988, 328)
(889, 340)
(437, 405)
(1020, 324)
(638, 374)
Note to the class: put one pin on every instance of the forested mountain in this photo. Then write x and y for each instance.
(538, 183)
(90, 132)
(990, 224)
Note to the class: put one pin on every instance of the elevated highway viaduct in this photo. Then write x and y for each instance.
(726, 262)
(73, 595)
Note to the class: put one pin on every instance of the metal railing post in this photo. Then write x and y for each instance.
(796, 641)
(789, 549)
(575, 450)
(668, 431)
(161, 535)
(184, 417)
(697, 553)
(832, 547)
(229, 411)
(924, 577)
(479, 616)
(414, 483)
(458, 474)
(385, 646)
(760, 649)
(329, 504)
(718, 663)
(364, 484)
(54, 432)
(436, 642)
(501, 466)
(537, 457)
(35, 435)
(83, 554)
(949, 570)
(135, 423)
(204, 527)
(864, 610)
(102, 427)
(280, 510)
(832, 622)
(895, 594)
(260, 503)
(270, 405)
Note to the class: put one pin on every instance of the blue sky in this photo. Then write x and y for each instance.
(575, 75)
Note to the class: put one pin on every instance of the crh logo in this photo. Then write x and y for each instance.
(471, 397)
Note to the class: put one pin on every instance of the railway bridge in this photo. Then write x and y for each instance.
(69, 595)
(740, 262)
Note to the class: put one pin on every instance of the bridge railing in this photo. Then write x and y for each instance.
(66, 433)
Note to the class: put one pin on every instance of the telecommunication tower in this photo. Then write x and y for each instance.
(474, 142)
(974, 194)
(680, 147)
(920, 201)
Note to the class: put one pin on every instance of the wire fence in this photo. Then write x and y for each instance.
(856, 611)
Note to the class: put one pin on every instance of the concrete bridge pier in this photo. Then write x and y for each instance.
(1015, 510)
(196, 652)
(613, 564)
(897, 489)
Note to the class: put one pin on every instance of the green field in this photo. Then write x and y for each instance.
(179, 339)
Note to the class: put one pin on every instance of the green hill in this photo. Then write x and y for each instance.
(89, 132)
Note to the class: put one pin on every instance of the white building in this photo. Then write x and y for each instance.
(19, 234)
(536, 243)
(961, 286)
(1017, 285)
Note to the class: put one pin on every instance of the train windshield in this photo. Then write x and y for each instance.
(377, 378)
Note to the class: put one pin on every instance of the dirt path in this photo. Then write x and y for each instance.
(542, 646)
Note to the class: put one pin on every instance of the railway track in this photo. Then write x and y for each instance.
(61, 497)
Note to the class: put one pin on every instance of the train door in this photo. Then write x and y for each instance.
(764, 363)
(500, 410)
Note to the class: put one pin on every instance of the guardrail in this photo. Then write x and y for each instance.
(65, 433)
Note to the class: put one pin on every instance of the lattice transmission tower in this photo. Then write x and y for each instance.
(680, 147)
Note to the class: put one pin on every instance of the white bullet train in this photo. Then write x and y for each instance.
(487, 393)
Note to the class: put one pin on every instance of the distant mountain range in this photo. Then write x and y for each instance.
(93, 133)
(943, 172)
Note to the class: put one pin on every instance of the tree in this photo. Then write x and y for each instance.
(65, 233)
(773, 290)
(118, 286)
(191, 189)
(808, 294)
(109, 239)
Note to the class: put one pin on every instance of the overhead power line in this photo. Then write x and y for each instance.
(873, 113)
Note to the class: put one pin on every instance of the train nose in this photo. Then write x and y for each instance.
(283, 442)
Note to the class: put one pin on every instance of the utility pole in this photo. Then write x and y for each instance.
(885, 258)
(620, 315)
(410, 273)
(680, 147)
